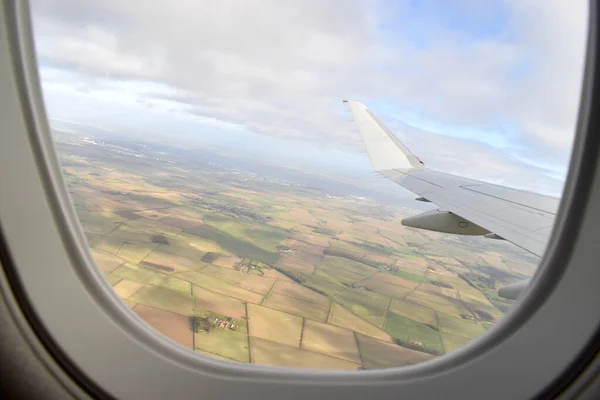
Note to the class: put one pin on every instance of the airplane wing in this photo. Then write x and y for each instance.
(467, 206)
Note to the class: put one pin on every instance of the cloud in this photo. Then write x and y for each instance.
(283, 68)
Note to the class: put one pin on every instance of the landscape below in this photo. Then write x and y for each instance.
(248, 268)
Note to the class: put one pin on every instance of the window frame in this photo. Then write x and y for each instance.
(94, 341)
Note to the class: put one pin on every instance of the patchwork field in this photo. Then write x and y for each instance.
(248, 268)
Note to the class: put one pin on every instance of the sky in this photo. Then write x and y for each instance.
(487, 90)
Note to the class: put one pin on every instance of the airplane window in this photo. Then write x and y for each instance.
(242, 209)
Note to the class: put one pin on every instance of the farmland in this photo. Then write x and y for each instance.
(245, 268)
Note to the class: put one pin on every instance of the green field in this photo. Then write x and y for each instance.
(369, 305)
(274, 326)
(414, 335)
(376, 354)
(226, 343)
(291, 305)
(234, 244)
(164, 299)
(308, 278)
(459, 326)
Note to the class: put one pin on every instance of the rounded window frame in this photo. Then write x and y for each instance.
(122, 341)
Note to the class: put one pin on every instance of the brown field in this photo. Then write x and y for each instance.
(172, 262)
(297, 291)
(343, 318)
(303, 259)
(227, 262)
(294, 306)
(164, 299)
(377, 354)
(413, 311)
(218, 303)
(301, 215)
(174, 326)
(125, 288)
(330, 340)
(279, 355)
(220, 286)
(107, 262)
(275, 326)
(182, 221)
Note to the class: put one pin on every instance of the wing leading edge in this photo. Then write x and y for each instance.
(467, 206)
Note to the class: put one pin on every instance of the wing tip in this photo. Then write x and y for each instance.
(385, 151)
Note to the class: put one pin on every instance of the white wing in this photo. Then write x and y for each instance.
(467, 206)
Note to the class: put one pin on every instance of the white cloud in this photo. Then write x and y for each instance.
(283, 68)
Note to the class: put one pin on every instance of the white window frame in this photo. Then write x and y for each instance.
(93, 343)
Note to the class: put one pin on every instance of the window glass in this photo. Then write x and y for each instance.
(227, 197)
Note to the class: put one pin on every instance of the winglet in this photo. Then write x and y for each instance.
(385, 151)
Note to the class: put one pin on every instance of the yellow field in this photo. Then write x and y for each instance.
(341, 317)
(279, 355)
(220, 286)
(300, 292)
(275, 326)
(107, 262)
(253, 283)
(164, 299)
(126, 288)
(317, 312)
(171, 263)
(224, 342)
(413, 311)
(330, 340)
(218, 303)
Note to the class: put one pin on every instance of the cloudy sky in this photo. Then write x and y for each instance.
(483, 89)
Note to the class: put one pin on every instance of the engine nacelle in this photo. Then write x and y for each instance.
(444, 221)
